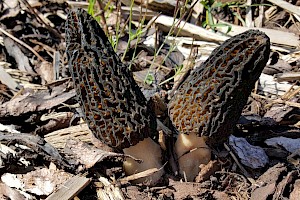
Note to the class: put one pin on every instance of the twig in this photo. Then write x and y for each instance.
(41, 20)
(288, 103)
(102, 17)
(165, 22)
(142, 174)
(23, 43)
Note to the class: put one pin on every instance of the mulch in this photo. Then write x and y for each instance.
(48, 152)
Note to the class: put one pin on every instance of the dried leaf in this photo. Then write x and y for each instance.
(40, 182)
(37, 101)
(87, 154)
(289, 144)
(251, 156)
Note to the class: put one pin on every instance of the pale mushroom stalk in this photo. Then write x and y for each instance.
(113, 105)
(148, 151)
(191, 151)
(209, 102)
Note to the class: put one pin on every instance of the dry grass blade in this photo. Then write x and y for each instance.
(287, 6)
(278, 101)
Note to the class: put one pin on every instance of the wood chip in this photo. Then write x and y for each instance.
(70, 189)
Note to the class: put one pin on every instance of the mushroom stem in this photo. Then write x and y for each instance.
(148, 151)
(192, 151)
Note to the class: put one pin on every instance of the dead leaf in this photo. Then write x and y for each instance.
(251, 156)
(30, 101)
(87, 154)
(40, 182)
(7, 192)
(289, 144)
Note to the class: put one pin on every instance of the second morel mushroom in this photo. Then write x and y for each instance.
(209, 102)
(113, 105)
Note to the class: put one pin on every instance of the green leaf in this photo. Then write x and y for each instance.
(149, 79)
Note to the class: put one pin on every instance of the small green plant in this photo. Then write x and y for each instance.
(114, 39)
(178, 70)
(134, 34)
(138, 32)
(91, 10)
(182, 10)
(210, 5)
(149, 79)
(108, 9)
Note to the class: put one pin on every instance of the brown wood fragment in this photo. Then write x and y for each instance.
(8, 80)
(59, 138)
(291, 176)
(70, 189)
(208, 170)
(55, 121)
(266, 183)
(295, 194)
(107, 189)
(8, 192)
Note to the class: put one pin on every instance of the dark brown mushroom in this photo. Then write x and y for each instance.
(209, 102)
(113, 105)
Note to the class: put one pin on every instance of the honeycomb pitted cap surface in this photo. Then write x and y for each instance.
(210, 101)
(113, 105)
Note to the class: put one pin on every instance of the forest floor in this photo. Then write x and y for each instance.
(48, 152)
